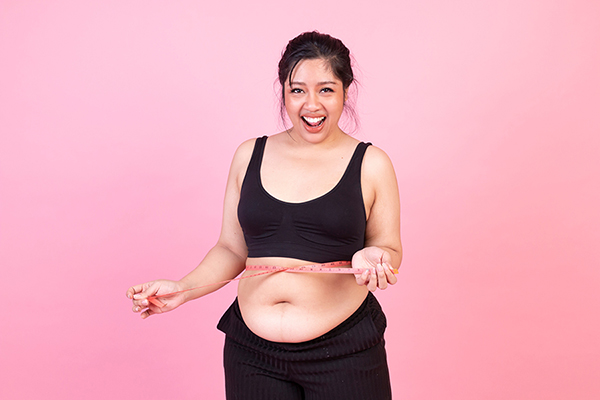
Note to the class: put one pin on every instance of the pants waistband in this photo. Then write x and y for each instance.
(362, 330)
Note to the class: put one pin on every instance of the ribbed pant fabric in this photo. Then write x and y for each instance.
(348, 362)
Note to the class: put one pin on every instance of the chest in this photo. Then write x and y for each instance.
(297, 180)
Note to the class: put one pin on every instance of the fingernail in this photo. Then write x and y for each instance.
(137, 296)
(379, 267)
(145, 302)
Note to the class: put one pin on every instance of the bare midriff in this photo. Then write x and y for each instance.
(296, 307)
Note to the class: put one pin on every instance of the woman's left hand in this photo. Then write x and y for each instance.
(378, 270)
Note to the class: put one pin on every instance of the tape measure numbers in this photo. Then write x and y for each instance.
(326, 268)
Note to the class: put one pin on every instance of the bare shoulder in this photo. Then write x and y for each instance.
(377, 164)
(378, 180)
(241, 159)
(243, 153)
(245, 149)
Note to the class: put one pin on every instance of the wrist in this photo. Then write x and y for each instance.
(185, 287)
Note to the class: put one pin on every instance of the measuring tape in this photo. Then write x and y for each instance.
(326, 268)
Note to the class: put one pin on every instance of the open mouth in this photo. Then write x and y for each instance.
(313, 122)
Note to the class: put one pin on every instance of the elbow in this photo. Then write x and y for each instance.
(399, 254)
(396, 253)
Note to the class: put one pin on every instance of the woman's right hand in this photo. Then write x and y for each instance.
(144, 304)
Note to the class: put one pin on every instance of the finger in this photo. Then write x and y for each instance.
(372, 285)
(156, 302)
(391, 277)
(143, 303)
(151, 310)
(137, 309)
(381, 277)
(148, 289)
(386, 258)
(133, 290)
(362, 278)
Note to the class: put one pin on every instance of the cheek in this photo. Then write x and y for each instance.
(337, 107)
(288, 110)
(291, 107)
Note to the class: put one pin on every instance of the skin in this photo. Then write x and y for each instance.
(298, 165)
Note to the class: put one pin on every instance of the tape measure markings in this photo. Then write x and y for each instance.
(328, 268)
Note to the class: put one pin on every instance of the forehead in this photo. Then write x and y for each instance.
(313, 71)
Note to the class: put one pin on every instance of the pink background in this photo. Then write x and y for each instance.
(118, 122)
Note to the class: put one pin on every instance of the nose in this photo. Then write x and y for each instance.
(312, 102)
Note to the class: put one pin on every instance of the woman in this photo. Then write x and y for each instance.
(310, 194)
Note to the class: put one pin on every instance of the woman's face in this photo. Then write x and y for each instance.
(314, 100)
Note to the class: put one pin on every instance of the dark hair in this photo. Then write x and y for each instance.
(315, 45)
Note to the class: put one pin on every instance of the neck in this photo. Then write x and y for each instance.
(328, 140)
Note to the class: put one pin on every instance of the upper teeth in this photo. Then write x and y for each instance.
(313, 120)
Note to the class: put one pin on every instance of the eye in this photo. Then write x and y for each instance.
(296, 90)
(327, 90)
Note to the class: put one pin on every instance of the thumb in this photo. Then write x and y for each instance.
(150, 290)
(386, 258)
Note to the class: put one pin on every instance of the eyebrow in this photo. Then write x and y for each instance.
(318, 83)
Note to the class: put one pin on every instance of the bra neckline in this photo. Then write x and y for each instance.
(299, 203)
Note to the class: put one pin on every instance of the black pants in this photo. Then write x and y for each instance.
(348, 362)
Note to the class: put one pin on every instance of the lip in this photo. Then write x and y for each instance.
(313, 128)
(310, 126)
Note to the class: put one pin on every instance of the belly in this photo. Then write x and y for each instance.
(296, 307)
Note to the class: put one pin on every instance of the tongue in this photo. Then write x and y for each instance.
(313, 128)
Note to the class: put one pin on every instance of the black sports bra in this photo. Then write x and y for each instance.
(328, 228)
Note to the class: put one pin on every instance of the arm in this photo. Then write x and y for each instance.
(383, 247)
(224, 261)
(227, 258)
